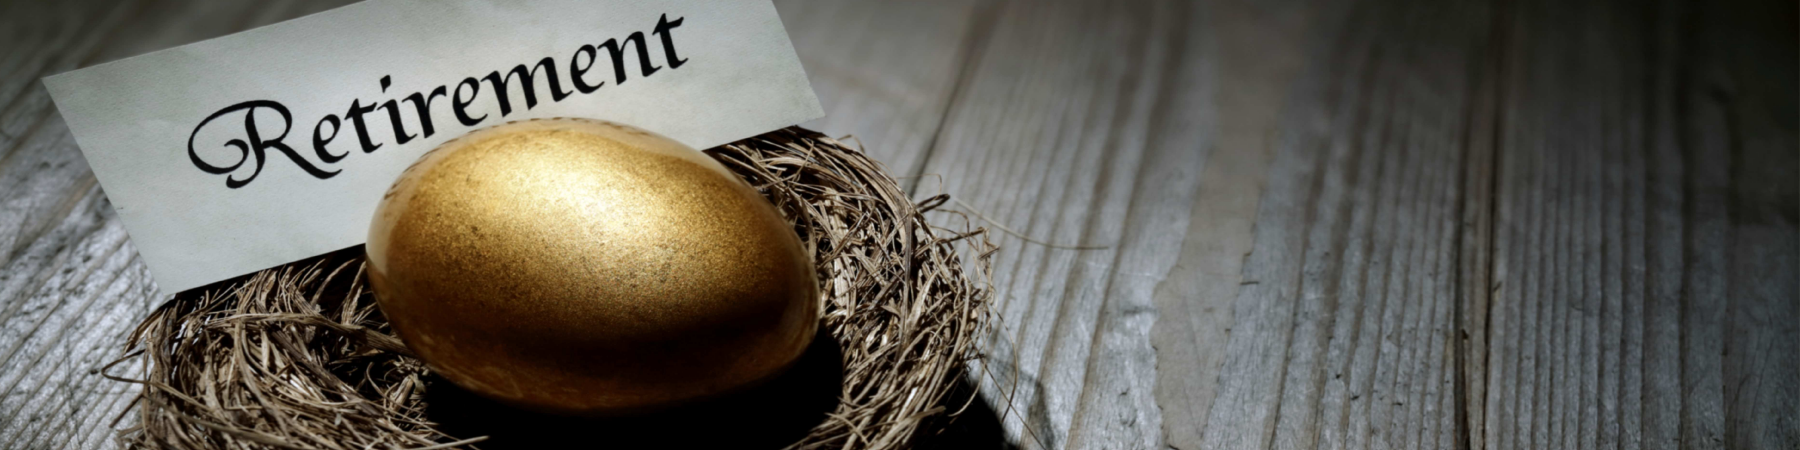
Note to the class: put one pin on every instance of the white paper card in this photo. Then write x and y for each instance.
(209, 151)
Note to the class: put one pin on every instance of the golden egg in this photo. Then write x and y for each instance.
(586, 267)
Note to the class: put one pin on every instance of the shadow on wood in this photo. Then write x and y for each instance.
(770, 415)
(978, 427)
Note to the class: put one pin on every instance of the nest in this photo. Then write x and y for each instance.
(300, 357)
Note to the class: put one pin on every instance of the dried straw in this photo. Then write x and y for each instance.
(299, 357)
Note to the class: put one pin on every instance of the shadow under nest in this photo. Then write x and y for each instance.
(299, 356)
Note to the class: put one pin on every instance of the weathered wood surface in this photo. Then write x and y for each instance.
(1080, 124)
(1376, 224)
(1645, 231)
(1523, 225)
(1341, 335)
(1260, 49)
(884, 71)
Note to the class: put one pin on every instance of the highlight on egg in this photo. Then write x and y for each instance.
(586, 267)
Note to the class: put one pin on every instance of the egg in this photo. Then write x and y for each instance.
(586, 267)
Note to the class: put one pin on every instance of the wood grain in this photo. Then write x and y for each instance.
(1260, 48)
(1080, 124)
(885, 71)
(1637, 221)
(1343, 330)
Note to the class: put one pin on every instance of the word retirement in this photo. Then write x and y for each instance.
(253, 145)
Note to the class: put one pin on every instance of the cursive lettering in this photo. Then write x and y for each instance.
(252, 146)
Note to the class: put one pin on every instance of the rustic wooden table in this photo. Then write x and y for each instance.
(1372, 224)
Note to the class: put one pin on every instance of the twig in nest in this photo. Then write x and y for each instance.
(270, 363)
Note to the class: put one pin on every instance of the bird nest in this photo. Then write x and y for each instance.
(300, 357)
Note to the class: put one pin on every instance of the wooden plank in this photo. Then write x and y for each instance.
(1522, 269)
(49, 37)
(1543, 219)
(1079, 123)
(72, 286)
(884, 71)
(1261, 48)
(59, 36)
(1344, 333)
(1754, 107)
(1638, 219)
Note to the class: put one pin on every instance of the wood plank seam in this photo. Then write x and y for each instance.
(1475, 253)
